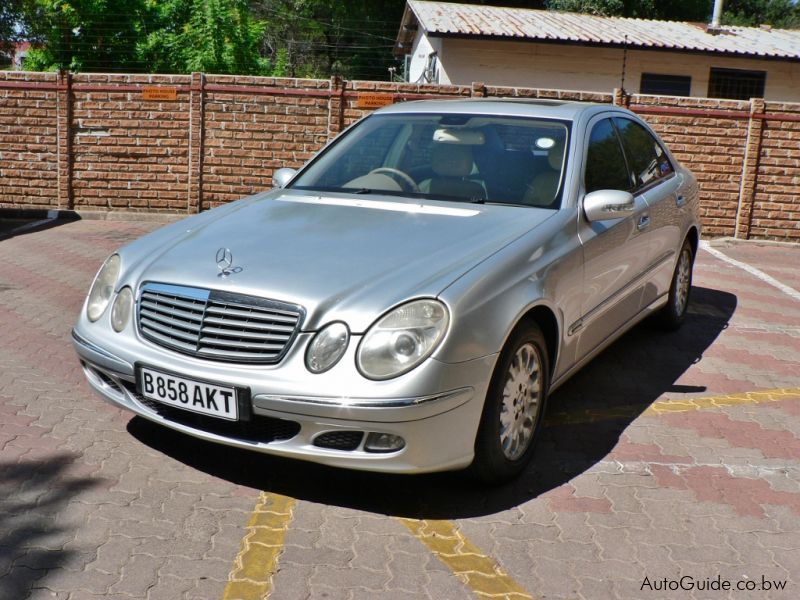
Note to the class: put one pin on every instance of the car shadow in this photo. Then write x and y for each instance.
(585, 419)
(32, 495)
(16, 223)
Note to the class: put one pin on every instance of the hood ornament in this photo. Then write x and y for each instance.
(225, 263)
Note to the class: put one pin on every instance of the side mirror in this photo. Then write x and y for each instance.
(281, 177)
(603, 205)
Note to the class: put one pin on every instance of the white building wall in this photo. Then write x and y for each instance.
(421, 56)
(585, 68)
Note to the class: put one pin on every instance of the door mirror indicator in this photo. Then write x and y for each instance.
(281, 177)
(603, 205)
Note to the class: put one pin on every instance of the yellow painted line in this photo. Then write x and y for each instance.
(251, 576)
(479, 572)
(256, 563)
(662, 407)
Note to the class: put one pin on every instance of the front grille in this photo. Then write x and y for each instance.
(217, 325)
(339, 440)
(257, 429)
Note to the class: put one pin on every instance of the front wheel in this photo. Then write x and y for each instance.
(514, 407)
(673, 314)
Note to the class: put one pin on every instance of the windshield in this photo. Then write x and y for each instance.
(466, 158)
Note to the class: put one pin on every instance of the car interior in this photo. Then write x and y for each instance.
(471, 159)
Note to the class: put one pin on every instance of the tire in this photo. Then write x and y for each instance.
(673, 314)
(514, 407)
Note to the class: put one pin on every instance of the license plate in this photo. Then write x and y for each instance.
(197, 396)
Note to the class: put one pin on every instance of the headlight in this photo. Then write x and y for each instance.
(327, 347)
(402, 339)
(102, 288)
(121, 311)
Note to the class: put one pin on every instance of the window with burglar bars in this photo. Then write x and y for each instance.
(736, 84)
(665, 85)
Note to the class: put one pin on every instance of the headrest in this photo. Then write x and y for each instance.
(451, 160)
(555, 156)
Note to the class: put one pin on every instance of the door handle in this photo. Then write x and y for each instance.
(644, 222)
(680, 201)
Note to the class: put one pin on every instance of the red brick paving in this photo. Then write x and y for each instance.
(93, 502)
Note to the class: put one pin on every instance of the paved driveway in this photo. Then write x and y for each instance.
(669, 456)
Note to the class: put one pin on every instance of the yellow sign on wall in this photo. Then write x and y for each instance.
(374, 100)
(159, 93)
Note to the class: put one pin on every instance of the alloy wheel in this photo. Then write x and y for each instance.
(521, 402)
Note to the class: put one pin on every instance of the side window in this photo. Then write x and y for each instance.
(605, 163)
(646, 157)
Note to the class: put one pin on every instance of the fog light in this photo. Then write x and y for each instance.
(384, 442)
(121, 311)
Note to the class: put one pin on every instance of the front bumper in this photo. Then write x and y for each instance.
(438, 426)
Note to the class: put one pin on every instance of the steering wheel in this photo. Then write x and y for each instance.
(399, 176)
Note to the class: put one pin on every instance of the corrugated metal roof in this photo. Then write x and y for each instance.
(444, 18)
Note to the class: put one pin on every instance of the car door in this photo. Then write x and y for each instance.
(614, 251)
(654, 178)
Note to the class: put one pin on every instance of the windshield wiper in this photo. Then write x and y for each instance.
(363, 191)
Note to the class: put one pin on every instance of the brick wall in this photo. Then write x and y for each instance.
(94, 142)
(252, 127)
(127, 152)
(776, 206)
(28, 140)
(709, 136)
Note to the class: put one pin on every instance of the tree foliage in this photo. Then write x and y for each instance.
(299, 38)
(168, 36)
(213, 36)
(9, 16)
(98, 35)
(318, 38)
(675, 10)
(784, 14)
(778, 13)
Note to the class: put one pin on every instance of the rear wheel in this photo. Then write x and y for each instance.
(673, 314)
(514, 407)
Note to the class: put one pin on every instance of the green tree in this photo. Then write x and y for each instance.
(9, 18)
(319, 38)
(168, 36)
(778, 13)
(783, 14)
(676, 10)
(213, 36)
(83, 35)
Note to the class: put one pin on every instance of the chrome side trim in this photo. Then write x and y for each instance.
(578, 325)
(367, 402)
(635, 320)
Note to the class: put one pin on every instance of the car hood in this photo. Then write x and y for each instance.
(341, 257)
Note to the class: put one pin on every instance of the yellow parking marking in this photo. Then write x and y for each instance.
(256, 563)
(251, 576)
(662, 407)
(481, 573)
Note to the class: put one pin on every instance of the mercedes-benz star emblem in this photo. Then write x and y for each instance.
(225, 263)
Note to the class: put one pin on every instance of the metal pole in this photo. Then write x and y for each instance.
(715, 19)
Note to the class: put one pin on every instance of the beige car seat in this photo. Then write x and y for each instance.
(452, 164)
(543, 187)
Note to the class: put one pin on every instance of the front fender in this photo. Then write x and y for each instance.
(542, 268)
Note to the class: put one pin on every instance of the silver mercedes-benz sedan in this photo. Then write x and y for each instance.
(407, 300)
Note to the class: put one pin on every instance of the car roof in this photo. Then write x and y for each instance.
(522, 107)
